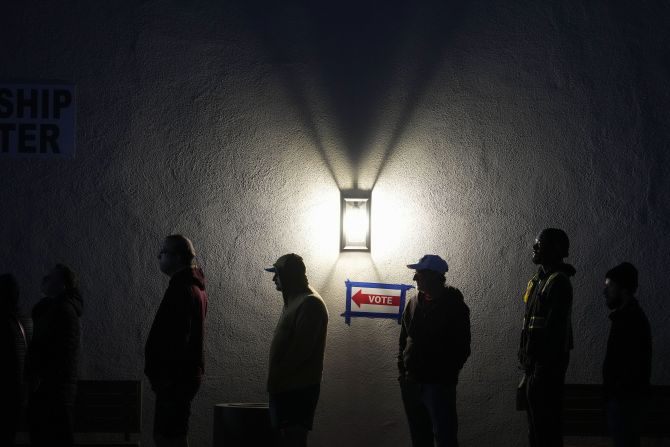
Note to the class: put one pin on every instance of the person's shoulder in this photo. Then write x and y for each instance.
(453, 292)
(178, 291)
(69, 308)
(455, 303)
(455, 296)
(314, 300)
(558, 282)
(637, 312)
(313, 305)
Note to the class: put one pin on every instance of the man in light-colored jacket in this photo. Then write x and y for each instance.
(296, 353)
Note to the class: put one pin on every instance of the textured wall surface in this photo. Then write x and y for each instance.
(477, 123)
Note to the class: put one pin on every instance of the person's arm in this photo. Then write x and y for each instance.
(196, 334)
(402, 342)
(454, 344)
(9, 370)
(309, 332)
(461, 337)
(635, 345)
(551, 332)
(170, 336)
(64, 342)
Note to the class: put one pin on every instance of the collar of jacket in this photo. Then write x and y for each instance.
(293, 295)
(623, 311)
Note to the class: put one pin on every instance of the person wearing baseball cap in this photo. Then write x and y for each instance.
(627, 364)
(296, 353)
(434, 346)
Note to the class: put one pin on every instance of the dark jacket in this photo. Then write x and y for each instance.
(434, 338)
(53, 354)
(627, 365)
(14, 337)
(546, 338)
(175, 346)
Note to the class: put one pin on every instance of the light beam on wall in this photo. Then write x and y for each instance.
(355, 221)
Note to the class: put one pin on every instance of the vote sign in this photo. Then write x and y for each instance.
(375, 300)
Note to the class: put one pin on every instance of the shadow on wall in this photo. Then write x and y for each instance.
(361, 69)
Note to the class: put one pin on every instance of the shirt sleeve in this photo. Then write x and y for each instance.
(402, 342)
(462, 337)
(308, 336)
(552, 331)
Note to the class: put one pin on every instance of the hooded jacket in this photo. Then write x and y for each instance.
(627, 365)
(53, 354)
(434, 338)
(175, 347)
(546, 337)
(299, 342)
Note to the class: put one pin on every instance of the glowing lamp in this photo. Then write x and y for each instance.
(355, 221)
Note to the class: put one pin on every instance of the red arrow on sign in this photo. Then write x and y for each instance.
(377, 300)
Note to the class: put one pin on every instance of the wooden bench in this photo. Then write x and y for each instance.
(107, 413)
(584, 412)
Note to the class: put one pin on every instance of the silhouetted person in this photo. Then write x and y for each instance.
(296, 353)
(53, 359)
(13, 346)
(627, 364)
(434, 346)
(174, 353)
(546, 338)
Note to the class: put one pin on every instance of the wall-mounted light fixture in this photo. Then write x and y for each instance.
(355, 221)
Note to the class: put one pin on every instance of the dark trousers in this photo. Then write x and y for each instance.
(292, 415)
(173, 408)
(9, 415)
(50, 417)
(544, 396)
(624, 419)
(431, 413)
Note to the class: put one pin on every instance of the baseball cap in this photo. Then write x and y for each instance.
(431, 262)
(289, 262)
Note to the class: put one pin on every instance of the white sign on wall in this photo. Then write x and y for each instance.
(37, 120)
(374, 300)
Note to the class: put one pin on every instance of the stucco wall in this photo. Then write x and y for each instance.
(477, 123)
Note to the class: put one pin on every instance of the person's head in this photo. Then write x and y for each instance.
(289, 273)
(620, 285)
(9, 292)
(176, 254)
(430, 273)
(60, 279)
(551, 246)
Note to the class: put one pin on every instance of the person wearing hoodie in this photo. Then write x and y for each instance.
(546, 338)
(13, 345)
(627, 365)
(296, 353)
(433, 347)
(174, 351)
(53, 359)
